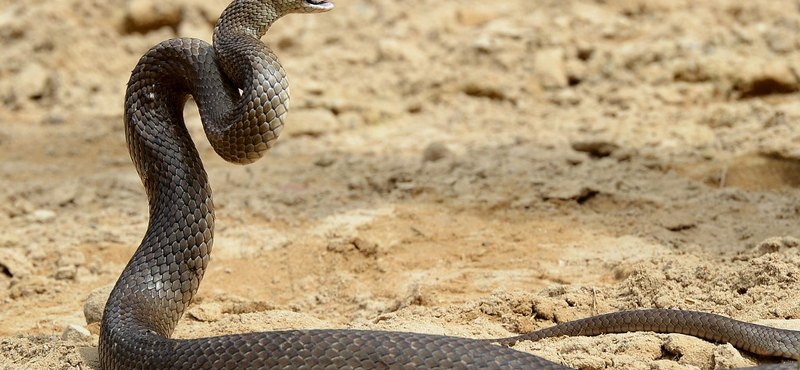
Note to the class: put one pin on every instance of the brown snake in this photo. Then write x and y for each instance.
(163, 275)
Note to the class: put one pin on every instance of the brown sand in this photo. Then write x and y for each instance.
(467, 168)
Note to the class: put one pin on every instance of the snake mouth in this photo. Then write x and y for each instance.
(320, 5)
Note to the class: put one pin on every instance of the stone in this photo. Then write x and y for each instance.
(43, 215)
(476, 16)
(75, 333)
(435, 151)
(486, 84)
(311, 122)
(395, 50)
(209, 312)
(550, 68)
(31, 82)
(146, 15)
(780, 41)
(15, 264)
(95, 303)
(595, 148)
(691, 351)
(776, 244)
(66, 273)
(759, 79)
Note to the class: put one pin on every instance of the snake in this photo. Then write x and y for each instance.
(242, 93)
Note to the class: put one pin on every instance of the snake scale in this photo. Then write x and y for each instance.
(163, 275)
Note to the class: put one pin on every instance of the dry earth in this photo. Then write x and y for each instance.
(466, 167)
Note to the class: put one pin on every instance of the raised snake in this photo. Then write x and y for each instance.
(164, 273)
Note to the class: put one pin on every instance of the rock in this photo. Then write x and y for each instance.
(595, 148)
(66, 273)
(486, 84)
(43, 215)
(311, 122)
(674, 220)
(146, 15)
(71, 258)
(95, 303)
(776, 244)
(550, 68)
(394, 50)
(31, 82)
(209, 312)
(483, 43)
(759, 79)
(690, 350)
(325, 160)
(435, 151)
(570, 191)
(780, 40)
(727, 357)
(476, 16)
(15, 264)
(75, 333)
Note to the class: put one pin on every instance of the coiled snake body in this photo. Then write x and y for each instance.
(163, 275)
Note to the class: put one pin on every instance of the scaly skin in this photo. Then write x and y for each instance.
(163, 275)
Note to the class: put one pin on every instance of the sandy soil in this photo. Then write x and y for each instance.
(466, 167)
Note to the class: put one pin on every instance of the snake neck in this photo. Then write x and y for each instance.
(250, 17)
(257, 119)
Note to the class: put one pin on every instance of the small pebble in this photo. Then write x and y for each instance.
(435, 151)
(66, 273)
(43, 215)
(325, 161)
(595, 148)
(75, 333)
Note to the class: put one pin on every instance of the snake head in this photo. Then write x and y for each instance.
(307, 6)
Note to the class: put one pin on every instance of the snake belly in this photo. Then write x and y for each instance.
(164, 273)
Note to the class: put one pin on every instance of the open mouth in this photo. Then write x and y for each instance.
(320, 4)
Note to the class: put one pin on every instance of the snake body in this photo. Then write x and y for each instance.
(164, 273)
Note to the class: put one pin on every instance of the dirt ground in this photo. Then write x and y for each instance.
(467, 168)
